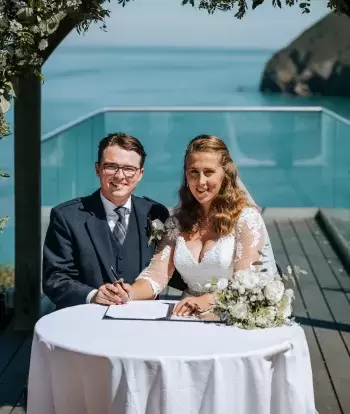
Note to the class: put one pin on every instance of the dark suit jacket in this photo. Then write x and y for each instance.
(77, 252)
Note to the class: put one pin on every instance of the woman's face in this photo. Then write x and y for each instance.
(204, 175)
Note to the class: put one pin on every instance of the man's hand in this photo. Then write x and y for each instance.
(109, 294)
(124, 291)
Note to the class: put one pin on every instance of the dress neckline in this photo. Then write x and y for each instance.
(203, 259)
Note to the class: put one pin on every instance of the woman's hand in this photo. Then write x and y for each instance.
(194, 305)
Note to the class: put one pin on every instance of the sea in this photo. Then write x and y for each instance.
(81, 79)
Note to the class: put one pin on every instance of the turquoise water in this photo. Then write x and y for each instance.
(286, 160)
(80, 80)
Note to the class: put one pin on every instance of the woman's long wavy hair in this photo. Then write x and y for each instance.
(228, 204)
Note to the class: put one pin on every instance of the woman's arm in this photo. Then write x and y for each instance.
(157, 274)
(250, 241)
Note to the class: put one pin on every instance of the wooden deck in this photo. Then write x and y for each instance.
(322, 306)
(14, 365)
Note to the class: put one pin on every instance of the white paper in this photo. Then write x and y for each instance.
(138, 310)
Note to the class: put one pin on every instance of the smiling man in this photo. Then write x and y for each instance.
(90, 235)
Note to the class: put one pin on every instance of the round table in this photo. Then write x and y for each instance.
(84, 364)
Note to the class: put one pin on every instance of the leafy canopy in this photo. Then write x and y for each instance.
(241, 6)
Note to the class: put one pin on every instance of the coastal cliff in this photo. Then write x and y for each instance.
(316, 63)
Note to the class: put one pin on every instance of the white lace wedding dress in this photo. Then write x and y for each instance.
(249, 243)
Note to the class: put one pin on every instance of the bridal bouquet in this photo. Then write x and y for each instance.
(254, 299)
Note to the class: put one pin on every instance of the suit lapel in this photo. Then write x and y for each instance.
(141, 208)
(98, 230)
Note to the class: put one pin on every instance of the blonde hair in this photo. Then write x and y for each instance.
(230, 201)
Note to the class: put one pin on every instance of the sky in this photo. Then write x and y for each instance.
(167, 22)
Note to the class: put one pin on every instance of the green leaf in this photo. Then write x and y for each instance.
(25, 13)
(3, 221)
(184, 2)
(50, 25)
(10, 88)
(4, 174)
(4, 104)
(257, 3)
(4, 128)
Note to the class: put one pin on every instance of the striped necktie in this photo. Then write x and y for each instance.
(120, 225)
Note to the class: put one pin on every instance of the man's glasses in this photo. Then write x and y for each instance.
(112, 169)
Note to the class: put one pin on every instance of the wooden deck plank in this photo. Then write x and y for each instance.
(19, 408)
(325, 397)
(330, 255)
(14, 375)
(329, 338)
(332, 290)
(10, 342)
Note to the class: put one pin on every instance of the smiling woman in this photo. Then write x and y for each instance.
(210, 185)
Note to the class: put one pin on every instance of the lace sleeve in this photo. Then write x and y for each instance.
(250, 240)
(161, 267)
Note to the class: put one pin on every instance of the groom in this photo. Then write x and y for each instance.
(89, 235)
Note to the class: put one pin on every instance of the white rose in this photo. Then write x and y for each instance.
(222, 283)
(157, 225)
(256, 290)
(235, 285)
(274, 291)
(253, 298)
(264, 279)
(261, 321)
(239, 310)
(247, 278)
(241, 290)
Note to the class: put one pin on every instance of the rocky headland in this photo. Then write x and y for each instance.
(316, 63)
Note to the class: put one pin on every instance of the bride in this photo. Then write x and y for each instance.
(215, 231)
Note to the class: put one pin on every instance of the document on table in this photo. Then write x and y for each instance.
(150, 310)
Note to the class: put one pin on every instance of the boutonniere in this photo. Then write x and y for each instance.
(156, 230)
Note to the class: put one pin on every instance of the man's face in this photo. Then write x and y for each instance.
(118, 184)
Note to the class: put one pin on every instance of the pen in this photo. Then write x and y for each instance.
(117, 280)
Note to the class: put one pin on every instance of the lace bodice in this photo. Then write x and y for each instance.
(248, 244)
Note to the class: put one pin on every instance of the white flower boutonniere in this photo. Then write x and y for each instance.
(156, 230)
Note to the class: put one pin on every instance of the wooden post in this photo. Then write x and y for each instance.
(27, 133)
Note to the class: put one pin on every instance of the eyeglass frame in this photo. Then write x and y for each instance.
(120, 167)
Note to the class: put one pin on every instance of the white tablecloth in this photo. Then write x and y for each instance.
(82, 364)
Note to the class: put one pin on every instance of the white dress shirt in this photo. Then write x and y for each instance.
(111, 215)
(112, 218)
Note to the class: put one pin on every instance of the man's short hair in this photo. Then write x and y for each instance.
(124, 141)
